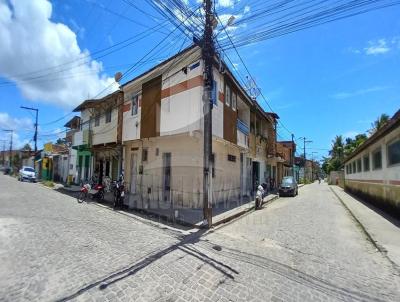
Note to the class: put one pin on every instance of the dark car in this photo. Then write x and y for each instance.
(288, 186)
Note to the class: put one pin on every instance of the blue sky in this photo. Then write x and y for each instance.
(328, 80)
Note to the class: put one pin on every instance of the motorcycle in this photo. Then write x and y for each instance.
(119, 192)
(261, 193)
(93, 190)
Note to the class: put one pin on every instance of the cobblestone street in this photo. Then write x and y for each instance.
(306, 248)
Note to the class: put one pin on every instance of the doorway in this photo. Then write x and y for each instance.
(167, 177)
(133, 173)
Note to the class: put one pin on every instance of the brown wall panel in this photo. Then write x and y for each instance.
(150, 113)
(230, 117)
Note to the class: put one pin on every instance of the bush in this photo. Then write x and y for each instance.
(304, 181)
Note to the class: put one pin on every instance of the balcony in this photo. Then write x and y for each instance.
(81, 138)
(242, 134)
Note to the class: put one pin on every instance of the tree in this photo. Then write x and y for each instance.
(379, 123)
(61, 141)
(27, 147)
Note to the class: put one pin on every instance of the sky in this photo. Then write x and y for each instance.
(333, 79)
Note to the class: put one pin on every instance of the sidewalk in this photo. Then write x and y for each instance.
(382, 229)
(223, 212)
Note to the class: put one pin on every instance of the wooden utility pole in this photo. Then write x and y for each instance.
(208, 57)
(36, 124)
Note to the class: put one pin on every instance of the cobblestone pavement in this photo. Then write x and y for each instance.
(305, 248)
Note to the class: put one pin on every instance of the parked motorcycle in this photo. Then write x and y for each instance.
(259, 197)
(91, 190)
(119, 192)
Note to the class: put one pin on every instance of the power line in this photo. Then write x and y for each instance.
(248, 72)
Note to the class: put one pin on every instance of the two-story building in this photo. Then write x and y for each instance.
(285, 151)
(163, 135)
(98, 141)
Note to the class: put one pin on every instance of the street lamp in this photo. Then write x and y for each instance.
(11, 143)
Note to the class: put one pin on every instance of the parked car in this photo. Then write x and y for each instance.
(27, 173)
(288, 186)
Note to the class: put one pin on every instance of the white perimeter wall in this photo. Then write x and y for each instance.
(386, 173)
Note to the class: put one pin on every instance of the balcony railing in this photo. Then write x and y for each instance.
(242, 127)
(82, 138)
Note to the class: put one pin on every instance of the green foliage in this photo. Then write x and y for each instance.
(379, 123)
(343, 148)
(48, 183)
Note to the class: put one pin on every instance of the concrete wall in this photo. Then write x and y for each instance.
(186, 170)
(105, 132)
(380, 186)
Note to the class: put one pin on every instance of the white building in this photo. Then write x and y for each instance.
(163, 135)
(373, 169)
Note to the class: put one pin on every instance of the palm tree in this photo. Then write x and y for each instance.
(379, 123)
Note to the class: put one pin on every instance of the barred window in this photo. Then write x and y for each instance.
(394, 153)
(366, 163)
(108, 116)
(231, 158)
(377, 159)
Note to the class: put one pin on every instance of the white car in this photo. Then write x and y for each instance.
(27, 173)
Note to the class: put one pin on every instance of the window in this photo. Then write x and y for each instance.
(366, 162)
(231, 158)
(97, 120)
(377, 159)
(394, 153)
(108, 116)
(144, 155)
(135, 104)
(354, 167)
(349, 166)
(227, 95)
(359, 165)
(234, 100)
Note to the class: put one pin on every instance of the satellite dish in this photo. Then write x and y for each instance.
(118, 76)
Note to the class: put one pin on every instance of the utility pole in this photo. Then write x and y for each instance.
(4, 151)
(208, 57)
(293, 155)
(305, 141)
(36, 124)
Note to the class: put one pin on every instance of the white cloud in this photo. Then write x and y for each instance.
(225, 3)
(30, 41)
(377, 47)
(16, 124)
(350, 94)
(8, 122)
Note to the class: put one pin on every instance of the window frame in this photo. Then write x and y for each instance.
(234, 100)
(392, 142)
(377, 150)
(359, 165)
(97, 120)
(228, 97)
(366, 158)
(135, 97)
(108, 116)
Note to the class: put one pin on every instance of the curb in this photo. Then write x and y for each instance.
(242, 212)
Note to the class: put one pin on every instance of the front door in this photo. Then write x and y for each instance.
(133, 172)
(166, 176)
